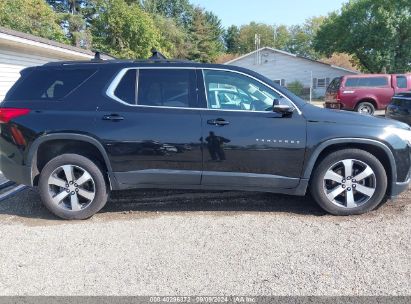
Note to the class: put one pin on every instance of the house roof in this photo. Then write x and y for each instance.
(291, 55)
(16, 36)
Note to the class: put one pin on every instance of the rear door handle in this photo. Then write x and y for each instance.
(218, 122)
(113, 117)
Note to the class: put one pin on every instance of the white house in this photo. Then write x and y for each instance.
(19, 50)
(284, 68)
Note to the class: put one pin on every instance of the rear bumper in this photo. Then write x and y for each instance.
(333, 105)
(14, 172)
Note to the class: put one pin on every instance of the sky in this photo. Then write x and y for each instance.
(288, 12)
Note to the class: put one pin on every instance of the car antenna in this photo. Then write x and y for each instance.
(156, 55)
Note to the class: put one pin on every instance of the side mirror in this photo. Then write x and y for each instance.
(284, 110)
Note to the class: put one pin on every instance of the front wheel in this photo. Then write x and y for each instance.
(349, 182)
(73, 187)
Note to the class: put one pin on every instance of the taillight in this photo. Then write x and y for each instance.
(339, 95)
(7, 114)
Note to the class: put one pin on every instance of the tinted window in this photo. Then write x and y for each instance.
(351, 82)
(233, 91)
(367, 82)
(167, 88)
(126, 89)
(401, 82)
(50, 84)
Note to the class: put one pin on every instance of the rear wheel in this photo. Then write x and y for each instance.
(365, 108)
(72, 187)
(349, 182)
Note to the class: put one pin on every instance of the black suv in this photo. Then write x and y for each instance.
(400, 108)
(80, 129)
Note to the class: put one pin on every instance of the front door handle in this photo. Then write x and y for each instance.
(218, 122)
(113, 117)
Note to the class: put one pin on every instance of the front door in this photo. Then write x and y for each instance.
(151, 129)
(245, 143)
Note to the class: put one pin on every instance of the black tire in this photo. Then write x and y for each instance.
(365, 108)
(100, 189)
(317, 183)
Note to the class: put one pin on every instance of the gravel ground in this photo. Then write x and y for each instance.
(204, 243)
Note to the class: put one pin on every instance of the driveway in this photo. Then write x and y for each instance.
(204, 243)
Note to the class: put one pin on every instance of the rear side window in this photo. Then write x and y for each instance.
(126, 89)
(167, 88)
(401, 82)
(367, 82)
(50, 84)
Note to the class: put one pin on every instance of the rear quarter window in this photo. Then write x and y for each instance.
(50, 84)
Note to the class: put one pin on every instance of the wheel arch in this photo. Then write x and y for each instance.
(32, 156)
(377, 148)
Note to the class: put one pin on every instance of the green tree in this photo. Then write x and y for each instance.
(123, 30)
(247, 36)
(281, 37)
(67, 6)
(376, 32)
(204, 46)
(301, 38)
(31, 16)
(231, 39)
(276, 36)
(216, 30)
(173, 39)
(179, 10)
(74, 16)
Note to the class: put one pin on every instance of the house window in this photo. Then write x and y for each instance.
(321, 82)
(281, 82)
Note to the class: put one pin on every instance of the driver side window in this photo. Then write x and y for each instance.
(232, 91)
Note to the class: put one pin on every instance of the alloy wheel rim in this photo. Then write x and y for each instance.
(71, 188)
(349, 183)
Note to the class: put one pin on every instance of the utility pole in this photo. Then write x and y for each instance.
(257, 43)
(311, 86)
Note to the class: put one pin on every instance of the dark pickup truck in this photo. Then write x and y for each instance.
(365, 93)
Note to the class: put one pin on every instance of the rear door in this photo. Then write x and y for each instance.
(247, 144)
(150, 126)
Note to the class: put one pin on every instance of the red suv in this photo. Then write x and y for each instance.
(365, 93)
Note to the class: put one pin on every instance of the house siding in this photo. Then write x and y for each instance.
(275, 66)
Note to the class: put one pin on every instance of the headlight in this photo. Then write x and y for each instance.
(405, 135)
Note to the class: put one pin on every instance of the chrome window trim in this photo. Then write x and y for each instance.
(114, 83)
(400, 97)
